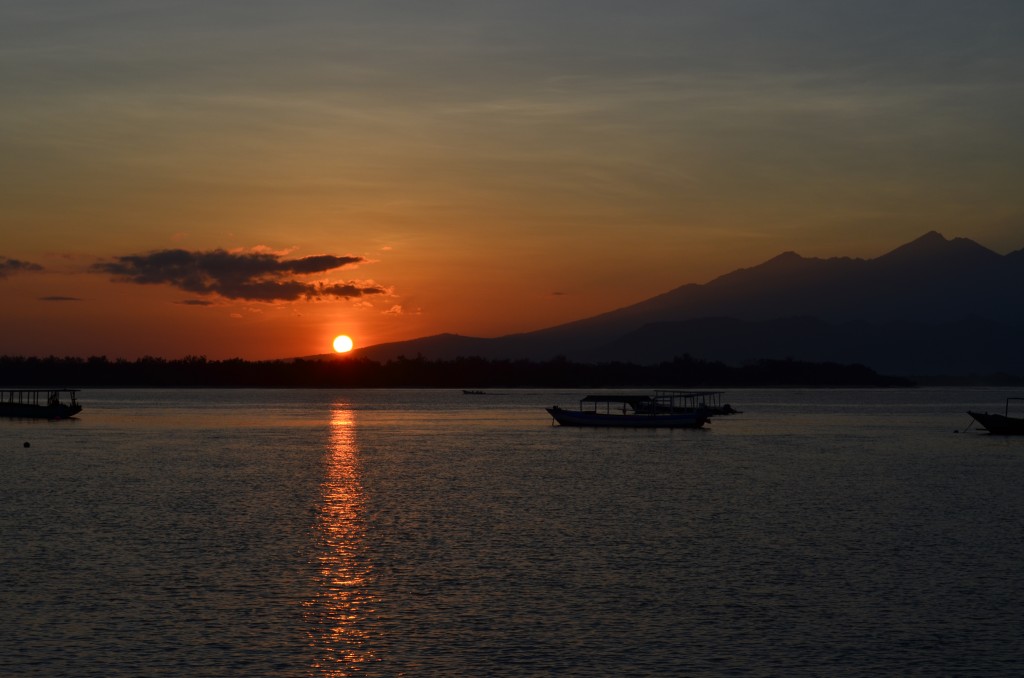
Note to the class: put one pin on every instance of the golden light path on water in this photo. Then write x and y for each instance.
(342, 602)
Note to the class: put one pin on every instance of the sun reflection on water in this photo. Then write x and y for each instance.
(338, 614)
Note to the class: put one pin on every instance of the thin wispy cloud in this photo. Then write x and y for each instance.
(252, 276)
(59, 298)
(11, 266)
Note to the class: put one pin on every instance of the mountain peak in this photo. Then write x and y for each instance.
(787, 258)
(931, 237)
(929, 243)
(934, 245)
(927, 283)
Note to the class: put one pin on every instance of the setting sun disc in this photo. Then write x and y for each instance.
(343, 343)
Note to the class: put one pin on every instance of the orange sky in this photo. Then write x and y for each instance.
(483, 168)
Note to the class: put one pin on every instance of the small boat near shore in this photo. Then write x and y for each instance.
(1000, 424)
(665, 409)
(43, 403)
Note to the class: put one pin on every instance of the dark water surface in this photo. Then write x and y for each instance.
(384, 533)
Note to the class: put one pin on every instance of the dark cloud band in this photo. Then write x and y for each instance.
(9, 266)
(254, 276)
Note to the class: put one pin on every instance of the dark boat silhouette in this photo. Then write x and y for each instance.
(1000, 424)
(38, 403)
(665, 409)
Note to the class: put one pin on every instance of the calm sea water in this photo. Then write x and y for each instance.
(387, 533)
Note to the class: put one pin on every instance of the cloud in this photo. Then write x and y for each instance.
(9, 266)
(253, 276)
(195, 302)
(401, 310)
(59, 298)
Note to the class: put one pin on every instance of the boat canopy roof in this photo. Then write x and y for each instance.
(688, 394)
(11, 394)
(658, 394)
(32, 396)
(629, 399)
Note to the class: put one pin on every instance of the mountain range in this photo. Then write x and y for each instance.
(930, 307)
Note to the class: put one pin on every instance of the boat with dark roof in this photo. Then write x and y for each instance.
(665, 409)
(32, 403)
(709, 402)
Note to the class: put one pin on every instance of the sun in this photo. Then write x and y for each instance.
(343, 343)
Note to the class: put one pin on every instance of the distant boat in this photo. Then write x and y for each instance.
(39, 403)
(1000, 424)
(665, 409)
(465, 392)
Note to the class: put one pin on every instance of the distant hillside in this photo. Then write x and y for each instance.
(930, 306)
(966, 346)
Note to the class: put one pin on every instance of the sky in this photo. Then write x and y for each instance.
(251, 178)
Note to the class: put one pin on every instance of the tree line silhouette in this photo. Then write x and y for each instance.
(419, 372)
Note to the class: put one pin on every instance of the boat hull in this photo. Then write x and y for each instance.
(601, 420)
(998, 424)
(26, 411)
